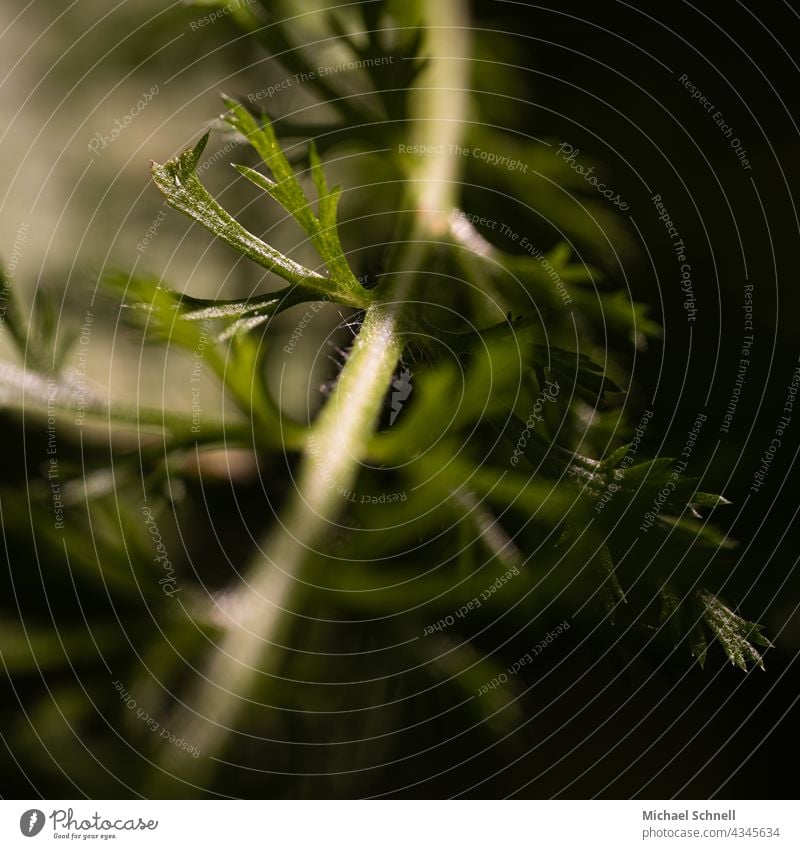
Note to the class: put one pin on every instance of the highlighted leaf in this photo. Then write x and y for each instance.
(175, 317)
(178, 182)
(286, 189)
(736, 635)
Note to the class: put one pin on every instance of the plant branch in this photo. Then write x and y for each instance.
(260, 608)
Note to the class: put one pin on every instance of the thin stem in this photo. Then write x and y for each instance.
(259, 610)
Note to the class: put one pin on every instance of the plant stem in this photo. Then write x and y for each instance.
(260, 609)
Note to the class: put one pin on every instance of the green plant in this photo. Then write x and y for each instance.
(486, 486)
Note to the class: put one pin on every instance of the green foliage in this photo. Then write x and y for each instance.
(494, 377)
(36, 337)
(178, 182)
(480, 487)
(736, 635)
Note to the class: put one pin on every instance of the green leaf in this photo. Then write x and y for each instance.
(683, 621)
(158, 311)
(611, 589)
(651, 472)
(177, 180)
(32, 648)
(42, 337)
(614, 458)
(736, 635)
(575, 369)
(518, 280)
(702, 533)
(201, 326)
(171, 316)
(708, 499)
(286, 189)
(536, 498)
(328, 202)
(521, 337)
(472, 673)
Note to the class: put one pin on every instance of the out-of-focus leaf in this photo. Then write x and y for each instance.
(26, 649)
(708, 499)
(694, 531)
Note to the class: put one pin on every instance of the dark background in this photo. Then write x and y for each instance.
(596, 75)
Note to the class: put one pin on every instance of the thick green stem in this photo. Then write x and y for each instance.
(260, 608)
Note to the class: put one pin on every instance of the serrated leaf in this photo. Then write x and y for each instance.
(286, 189)
(735, 635)
(177, 180)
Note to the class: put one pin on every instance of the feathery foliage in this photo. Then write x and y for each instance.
(476, 503)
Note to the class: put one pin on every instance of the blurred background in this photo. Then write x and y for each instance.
(608, 79)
